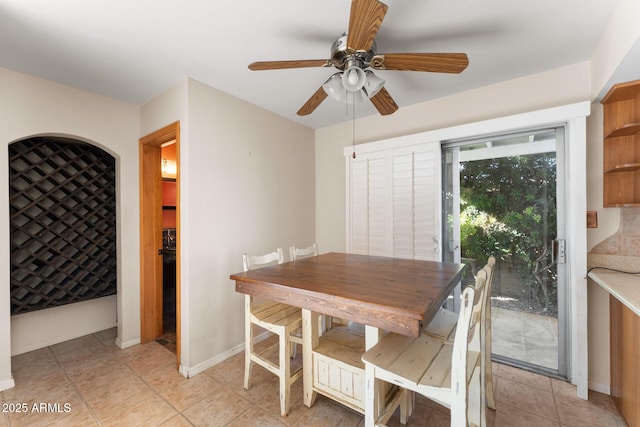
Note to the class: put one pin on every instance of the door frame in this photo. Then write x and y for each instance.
(150, 147)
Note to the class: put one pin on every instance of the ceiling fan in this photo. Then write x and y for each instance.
(355, 52)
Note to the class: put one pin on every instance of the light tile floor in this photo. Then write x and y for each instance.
(139, 386)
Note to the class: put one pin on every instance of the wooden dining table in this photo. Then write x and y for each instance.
(384, 294)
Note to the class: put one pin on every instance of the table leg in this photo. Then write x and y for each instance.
(371, 336)
(309, 342)
(374, 408)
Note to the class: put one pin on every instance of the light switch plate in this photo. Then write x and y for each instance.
(592, 219)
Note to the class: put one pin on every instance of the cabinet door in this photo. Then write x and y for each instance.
(625, 326)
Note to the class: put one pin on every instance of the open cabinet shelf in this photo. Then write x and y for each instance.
(621, 153)
(627, 129)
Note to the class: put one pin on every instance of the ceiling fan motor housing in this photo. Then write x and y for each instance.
(341, 54)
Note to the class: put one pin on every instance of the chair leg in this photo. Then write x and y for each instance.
(294, 349)
(248, 344)
(488, 377)
(247, 369)
(490, 398)
(406, 406)
(284, 355)
(476, 411)
(487, 368)
(372, 393)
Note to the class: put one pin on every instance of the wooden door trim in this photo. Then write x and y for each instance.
(151, 235)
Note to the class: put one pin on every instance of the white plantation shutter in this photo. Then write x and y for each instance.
(403, 215)
(359, 206)
(368, 202)
(426, 205)
(378, 233)
(393, 206)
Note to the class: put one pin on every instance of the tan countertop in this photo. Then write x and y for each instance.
(625, 287)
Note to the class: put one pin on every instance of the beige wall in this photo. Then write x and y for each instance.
(30, 106)
(621, 35)
(247, 184)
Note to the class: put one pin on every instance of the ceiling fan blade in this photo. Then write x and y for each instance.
(384, 103)
(278, 65)
(313, 102)
(434, 62)
(364, 23)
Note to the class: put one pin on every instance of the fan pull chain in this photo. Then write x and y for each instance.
(353, 127)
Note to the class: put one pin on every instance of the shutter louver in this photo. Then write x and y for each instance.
(425, 207)
(403, 206)
(377, 207)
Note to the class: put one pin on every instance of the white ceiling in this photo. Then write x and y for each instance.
(134, 50)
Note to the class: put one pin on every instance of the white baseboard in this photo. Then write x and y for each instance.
(125, 344)
(188, 372)
(7, 384)
(600, 388)
(194, 370)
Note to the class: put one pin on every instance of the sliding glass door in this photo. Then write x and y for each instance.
(503, 197)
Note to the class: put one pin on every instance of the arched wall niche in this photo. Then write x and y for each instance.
(63, 221)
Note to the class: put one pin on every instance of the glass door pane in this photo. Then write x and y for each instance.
(501, 200)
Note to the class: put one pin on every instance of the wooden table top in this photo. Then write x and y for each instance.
(393, 294)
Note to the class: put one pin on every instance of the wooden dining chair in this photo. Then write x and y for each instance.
(443, 326)
(324, 321)
(299, 253)
(444, 371)
(281, 319)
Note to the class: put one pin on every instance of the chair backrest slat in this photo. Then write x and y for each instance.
(299, 253)
(478, 306)
(250, 262)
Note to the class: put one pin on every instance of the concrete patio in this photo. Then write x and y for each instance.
(529, 337)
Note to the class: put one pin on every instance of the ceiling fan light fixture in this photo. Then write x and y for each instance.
(333, 87)
(373, 84)
(353, 77)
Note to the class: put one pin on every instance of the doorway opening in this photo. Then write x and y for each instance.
(504, 197)
(169, 243)
(160, 237)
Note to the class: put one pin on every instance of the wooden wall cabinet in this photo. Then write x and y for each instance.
(625, 361)
(622, 145)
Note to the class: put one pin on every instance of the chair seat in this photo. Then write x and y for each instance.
(443, 325)
(417, 363)
(274, 314)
